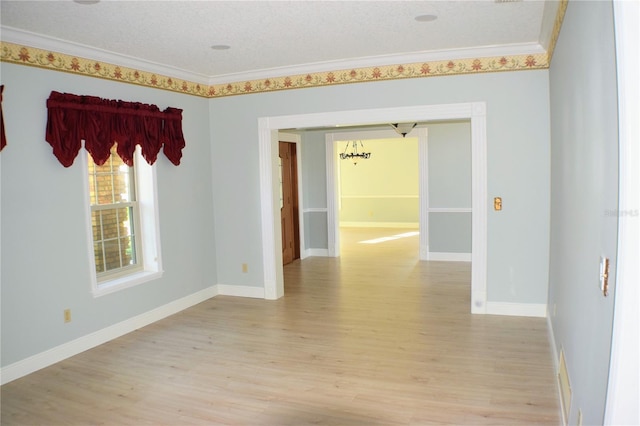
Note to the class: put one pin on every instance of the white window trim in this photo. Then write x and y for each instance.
(149, 229)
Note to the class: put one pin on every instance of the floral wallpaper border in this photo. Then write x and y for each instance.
(381, 73)
(32, 56)
(25, 55)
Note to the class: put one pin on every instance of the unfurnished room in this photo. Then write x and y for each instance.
(319, 212)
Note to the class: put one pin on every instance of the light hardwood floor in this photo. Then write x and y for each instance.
(374, 337)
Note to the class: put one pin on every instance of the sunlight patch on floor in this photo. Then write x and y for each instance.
(390, 238)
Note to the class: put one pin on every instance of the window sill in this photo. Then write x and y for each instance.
(120, 283)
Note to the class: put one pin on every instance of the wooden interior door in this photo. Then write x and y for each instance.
(289, 202)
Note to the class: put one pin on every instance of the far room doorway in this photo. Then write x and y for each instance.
(421, 182)
(386, 190)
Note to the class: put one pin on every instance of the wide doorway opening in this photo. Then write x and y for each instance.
(270, 218)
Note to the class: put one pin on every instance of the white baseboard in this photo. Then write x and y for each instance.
(517, 309)
(317, 252)
(408, 225)
(44, 359)
(552, 343)
(555, 355)
(449, 257)
(241, 291)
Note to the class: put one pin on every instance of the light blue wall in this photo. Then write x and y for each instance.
(449, 177)
(45, 264)
(449, 156)
(450, 232)
(584, 172)
(314, 187)
(314, 170)
(518, 167)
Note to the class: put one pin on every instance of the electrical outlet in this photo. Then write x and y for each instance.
(245, 268)
(67, 315)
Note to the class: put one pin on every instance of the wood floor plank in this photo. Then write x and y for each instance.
(374, 337)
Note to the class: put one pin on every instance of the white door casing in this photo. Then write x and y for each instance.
(268, 142)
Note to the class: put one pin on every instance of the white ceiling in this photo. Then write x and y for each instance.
(269, 38)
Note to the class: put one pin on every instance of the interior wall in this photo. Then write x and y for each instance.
(44, 247)
(517, 133)
(314, 187)
(449, 176)
(584, 188)
(449, 165)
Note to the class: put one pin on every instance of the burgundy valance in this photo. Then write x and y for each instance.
(103, 123)
(3, 137)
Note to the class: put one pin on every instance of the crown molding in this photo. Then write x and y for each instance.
(18, 47)
(516, 49)
(27, 38)
(557, 25)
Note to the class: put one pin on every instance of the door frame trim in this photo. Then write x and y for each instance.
(267, 142)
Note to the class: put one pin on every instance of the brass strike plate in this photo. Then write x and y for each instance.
(497, 203)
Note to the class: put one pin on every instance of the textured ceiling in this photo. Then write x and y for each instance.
(267, 36)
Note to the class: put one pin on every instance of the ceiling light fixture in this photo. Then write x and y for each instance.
(87, 2)
(403, 128)
(426, 18)
(354, 155)
(221, 47)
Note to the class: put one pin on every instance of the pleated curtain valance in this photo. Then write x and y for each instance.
(101, 123)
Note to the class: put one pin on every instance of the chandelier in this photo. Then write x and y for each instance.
(354, 155)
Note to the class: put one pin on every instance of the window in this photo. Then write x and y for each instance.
(123, 223)
(114, 216)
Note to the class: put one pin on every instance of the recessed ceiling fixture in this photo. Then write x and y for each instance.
(426, 18)
(86, 1)
(221, 47)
